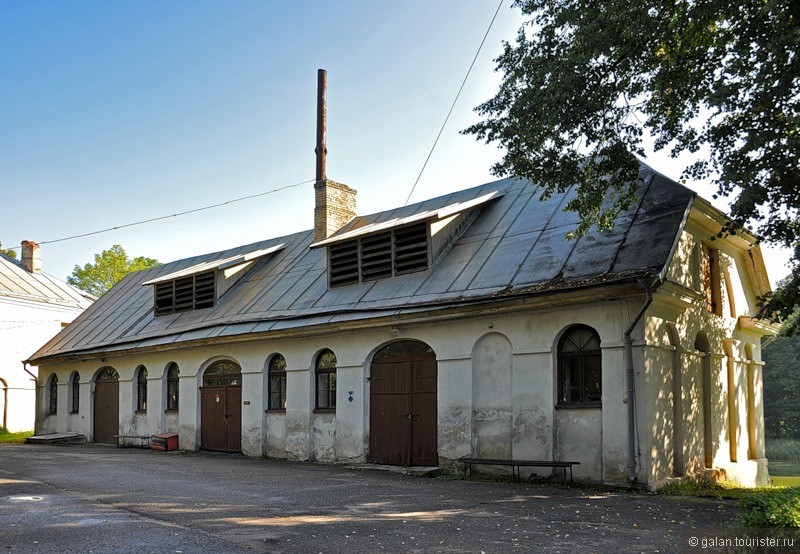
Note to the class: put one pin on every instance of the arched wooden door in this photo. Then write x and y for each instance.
(221, 407)
(403, 413)
(106, 406)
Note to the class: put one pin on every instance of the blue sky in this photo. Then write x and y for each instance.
(114, 112)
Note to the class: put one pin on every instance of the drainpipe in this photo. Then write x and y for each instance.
(36, 397)
(4, 426)
(630, 377)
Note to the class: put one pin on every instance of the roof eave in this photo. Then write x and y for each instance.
(427, 311)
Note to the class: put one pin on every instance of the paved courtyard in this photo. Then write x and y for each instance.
(92, 498)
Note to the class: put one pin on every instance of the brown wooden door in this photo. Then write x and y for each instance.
(106, 411)
(389, 406)
(424, 451)
(233, 419)
(403, 414)
(221, 418)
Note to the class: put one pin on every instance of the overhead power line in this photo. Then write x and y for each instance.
(435, 142)
(152, 219)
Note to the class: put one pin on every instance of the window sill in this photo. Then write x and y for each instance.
(275, 410)
(140, 411)
(324, 410)
(175, 411)
(577, 406)
(74, 412)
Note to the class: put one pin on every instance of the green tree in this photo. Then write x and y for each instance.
(7, 252)
(782, 388)
(584, 81)
(109, 267)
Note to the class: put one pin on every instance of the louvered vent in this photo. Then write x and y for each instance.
(204, 292)
(165, 297)
(184, 294)
(343, 263)
(411, 249)
(378, 256)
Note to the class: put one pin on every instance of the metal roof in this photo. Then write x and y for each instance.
(515, 245)
(19, 284)
(347, 232)
(225, 263)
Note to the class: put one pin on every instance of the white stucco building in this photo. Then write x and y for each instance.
(464, 325)
(34, 306)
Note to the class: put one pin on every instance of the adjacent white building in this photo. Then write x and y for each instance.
(465, 325)
(34, 306)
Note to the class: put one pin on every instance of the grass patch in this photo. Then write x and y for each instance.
(786, 480)
(6, 437)
(776, 507)
(724, 489)
(783, 449)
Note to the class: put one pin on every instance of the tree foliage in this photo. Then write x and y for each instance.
(585, 80)
(7, 252)
(782, 388)
(109, 267)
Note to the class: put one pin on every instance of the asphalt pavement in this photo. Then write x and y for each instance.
(92, 498)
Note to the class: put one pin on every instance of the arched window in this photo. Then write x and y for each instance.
(326, 380)
(579, 368)
(52, 406)
(141, 390)
(172, 386)
(223, 373)
(107, 374)
(277, 383)
(75, 393)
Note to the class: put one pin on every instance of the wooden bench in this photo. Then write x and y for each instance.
(122, 440)
(516, 464)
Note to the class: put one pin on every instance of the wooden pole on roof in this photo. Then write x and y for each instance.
(322, 109)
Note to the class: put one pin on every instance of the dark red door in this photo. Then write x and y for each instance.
(403, 413)
(221, 418)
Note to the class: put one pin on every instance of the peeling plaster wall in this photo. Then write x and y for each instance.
(349, 422)
(492, 409)
(533, 386)
(496, 391)
(253, 406)
(275, 432)
(578, 437)
(454, 408)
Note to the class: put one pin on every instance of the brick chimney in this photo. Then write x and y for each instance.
(31, 256)
(334, 206)
(334, 203)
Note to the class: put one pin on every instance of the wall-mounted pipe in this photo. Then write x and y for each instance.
(36, 398)
(630, 376)
(5, 404)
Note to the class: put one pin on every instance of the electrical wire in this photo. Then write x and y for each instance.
(464, 82)
(152, 219)
(413, 188)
